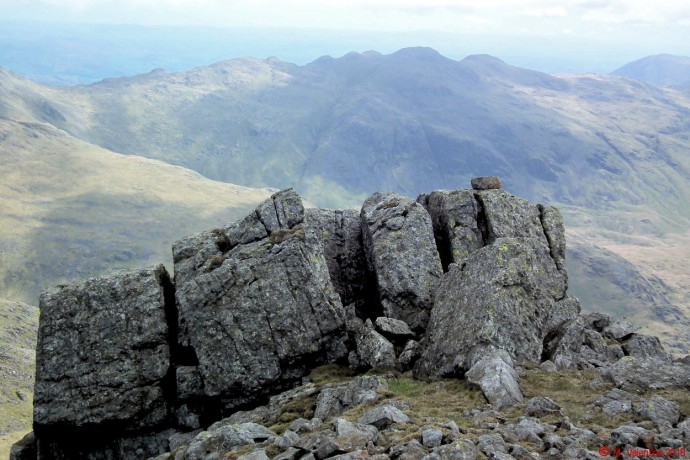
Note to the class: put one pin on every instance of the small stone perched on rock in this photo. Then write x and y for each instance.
(486, 183)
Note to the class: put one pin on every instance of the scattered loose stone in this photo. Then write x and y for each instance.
(541, 406)
(432, 438)
(383, 416)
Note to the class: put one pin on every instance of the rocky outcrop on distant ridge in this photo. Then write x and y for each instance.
(463, 284)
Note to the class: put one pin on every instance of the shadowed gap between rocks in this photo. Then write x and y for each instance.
(482, 221)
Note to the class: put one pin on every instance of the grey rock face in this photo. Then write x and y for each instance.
(562, 311)
(495, 375)
(340, 233)
(659, 410)
(454, 217)
(552, 225)
(351, 436)
(486, 183)
(490, 444)
(620, 329)
(401, 252)
(432, 437)
(408, 356)
(223, 438)
(408, 451)
(459, 450)
(576, 344)
(256, 303)
(512, 278)
(25, 448)
(393, 327)
(103, 353)
(506, 216)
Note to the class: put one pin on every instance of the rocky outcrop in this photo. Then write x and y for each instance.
(467, 284)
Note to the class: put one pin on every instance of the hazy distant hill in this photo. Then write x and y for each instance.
(659, 70)
(409, 122)
(611, 152)
(72, 210)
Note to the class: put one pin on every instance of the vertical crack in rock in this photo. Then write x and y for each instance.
(482, 220)
(169, 382)
(441, 236)
(340, 234)
(554, 231)
(454, 220)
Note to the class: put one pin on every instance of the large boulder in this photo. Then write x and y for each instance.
(256, 304)
(500, 297)
(102, 358)
(401, 252)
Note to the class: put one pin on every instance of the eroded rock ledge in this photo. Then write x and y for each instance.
(457, 284)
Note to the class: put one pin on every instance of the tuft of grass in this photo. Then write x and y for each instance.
(300, 407)
(331, 373)
(284, 234)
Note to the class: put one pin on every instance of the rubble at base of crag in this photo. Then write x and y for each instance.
(466, 284)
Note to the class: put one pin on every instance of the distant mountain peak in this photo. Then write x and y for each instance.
(418, 52)
(658, 70)
(483, 59)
